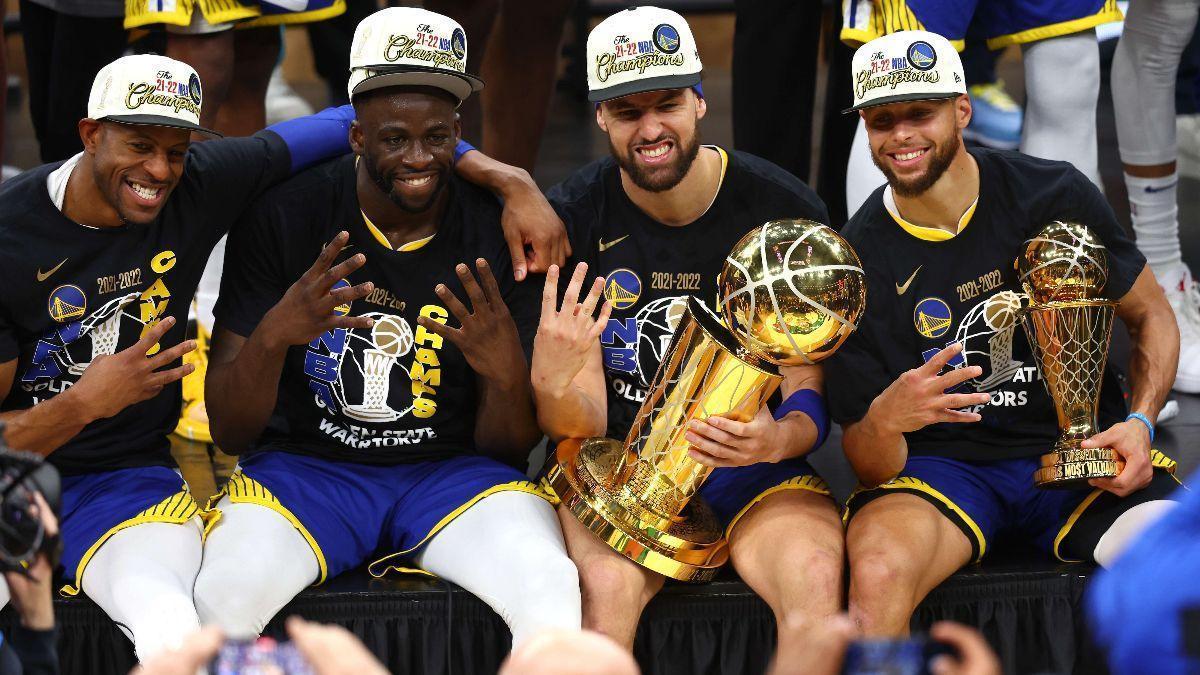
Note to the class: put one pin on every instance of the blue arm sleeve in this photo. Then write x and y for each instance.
(461, 149)
(810, 403)
(318, 137)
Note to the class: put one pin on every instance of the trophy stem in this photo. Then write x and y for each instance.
(640, 496)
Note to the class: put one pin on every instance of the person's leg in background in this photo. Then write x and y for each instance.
(477, 17)
(769, 120)
(520, 69)
(1143, 80)
(995, 117)
(244, 110)
(1187, 110)
(1062, 88)
(63, 53)
(208, 49)
(330, 43)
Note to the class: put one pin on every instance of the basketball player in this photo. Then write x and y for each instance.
(102, 254)
(657, 219)
(1058, 50)
(944, 412)
(398, 433)
(1143, 81)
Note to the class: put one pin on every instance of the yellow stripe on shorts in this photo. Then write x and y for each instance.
(140, 13)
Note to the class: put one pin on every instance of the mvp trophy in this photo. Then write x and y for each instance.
(791, 291)
(1063, 269)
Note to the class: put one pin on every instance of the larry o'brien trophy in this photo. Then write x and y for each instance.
(791, 292)
(1063, 268)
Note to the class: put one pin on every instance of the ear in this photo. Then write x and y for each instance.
(89, 133)
(962, 111)
(600, 118)
(356, 139)
(701, 106)
(457, 130)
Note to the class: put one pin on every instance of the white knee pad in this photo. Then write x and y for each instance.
(255, 562)
(142, 577)
(1062, 86)
(1143, 78)
(508, 550)
(1127, 527)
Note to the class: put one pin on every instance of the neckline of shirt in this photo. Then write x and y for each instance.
(920, 231)
(375, 232)
(56, 187)
(716, 193)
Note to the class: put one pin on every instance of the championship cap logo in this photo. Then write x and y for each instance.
(410, 46)
(910, 65)
(638, 50)
(148, 89)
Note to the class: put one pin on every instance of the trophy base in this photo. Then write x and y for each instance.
(1069, 468)
(688, 547)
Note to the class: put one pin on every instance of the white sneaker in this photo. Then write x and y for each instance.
(283, 103)
(1185, 302)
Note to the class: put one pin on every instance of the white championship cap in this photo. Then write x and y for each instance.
(148, 89)
(410, 46)
(641, 49)
(910, 65)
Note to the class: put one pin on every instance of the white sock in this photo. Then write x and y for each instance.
(1155, 216)
(1127, 527)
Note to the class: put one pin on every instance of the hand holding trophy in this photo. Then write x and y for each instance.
(791, 292)
(1063, 270)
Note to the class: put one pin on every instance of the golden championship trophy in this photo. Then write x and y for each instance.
(791, 291)
(1063, 269)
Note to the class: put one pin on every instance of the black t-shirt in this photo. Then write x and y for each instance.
(651, 268)
(392, 394)
(923, 295)
(74, 292)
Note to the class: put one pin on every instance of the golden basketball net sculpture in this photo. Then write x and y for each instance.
(1063, 269)
(791, 292)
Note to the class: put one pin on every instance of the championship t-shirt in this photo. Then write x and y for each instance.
(651, 269)
(74, 292)
(395, 393)
(927, 289)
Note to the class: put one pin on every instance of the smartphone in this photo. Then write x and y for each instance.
(907, 656)
(263, 656)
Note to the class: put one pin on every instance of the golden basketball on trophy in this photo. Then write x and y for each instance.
(1063, 270)
(791, 292)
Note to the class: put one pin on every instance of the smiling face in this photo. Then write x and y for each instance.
(914, 143)
(135, 166)
(406, 138)
(653, 136)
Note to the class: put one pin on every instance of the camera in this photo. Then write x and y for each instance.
(23, 475)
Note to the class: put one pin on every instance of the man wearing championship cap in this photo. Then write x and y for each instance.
(102, 254)
(1059, 52)
(944, 412)
(374, 412)
(657, 220)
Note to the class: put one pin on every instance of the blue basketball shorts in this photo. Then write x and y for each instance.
(96, 506)
(350, 512)
(733, 491)
(985, 499)
(1001, 22)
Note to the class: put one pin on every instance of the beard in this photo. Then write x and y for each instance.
(386, 182)
(115, 196)
(659, 178)
(942, 156)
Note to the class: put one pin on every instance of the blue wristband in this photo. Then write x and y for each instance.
(810, 403)
(1144, 420)
(461, 149)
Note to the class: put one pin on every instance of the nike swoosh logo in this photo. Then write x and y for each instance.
(42, 276)
(1165, 187)
(604, 246)
(901, 290)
